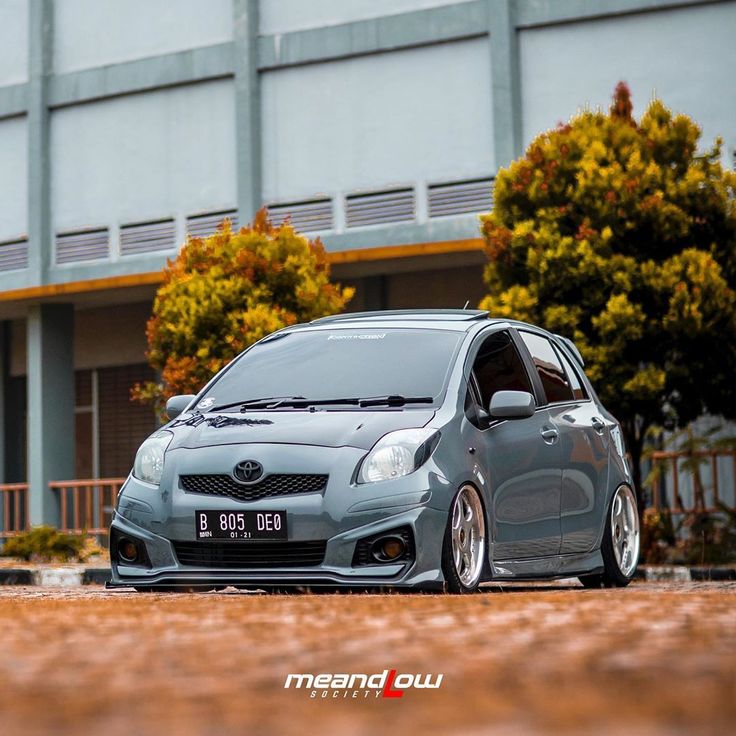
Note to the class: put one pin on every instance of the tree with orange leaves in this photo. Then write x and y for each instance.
(224, 292)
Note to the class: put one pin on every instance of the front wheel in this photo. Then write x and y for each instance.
(620, 546)
(464, 544)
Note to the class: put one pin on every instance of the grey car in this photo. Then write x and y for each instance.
(407, 449)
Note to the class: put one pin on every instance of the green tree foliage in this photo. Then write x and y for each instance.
(224, 292)
(622, 236)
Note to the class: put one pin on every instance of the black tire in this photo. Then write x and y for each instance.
(612, 576)
(453, 583)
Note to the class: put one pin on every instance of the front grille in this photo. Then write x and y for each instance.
(229, 555)
(283, 484)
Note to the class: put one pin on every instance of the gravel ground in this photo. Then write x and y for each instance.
(650, 659)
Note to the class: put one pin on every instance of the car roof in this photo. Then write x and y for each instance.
(461, 320)
(403, 314)
(457, 319)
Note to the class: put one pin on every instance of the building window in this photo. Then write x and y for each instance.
(14, 255)
(145, 237)
(82, 245)
(380, 208)
(460, 197)
(310, 216)
(200, 226)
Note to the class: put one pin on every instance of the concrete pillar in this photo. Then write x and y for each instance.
(40, 36)
(4, 359)
(247, 109)
(505, 81)
(51, 426)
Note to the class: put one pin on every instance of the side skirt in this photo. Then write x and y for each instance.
(540, 568)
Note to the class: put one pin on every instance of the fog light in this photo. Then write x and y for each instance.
(388, 548)
(127, 550)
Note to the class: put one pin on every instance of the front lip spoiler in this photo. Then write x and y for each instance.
(286, 578)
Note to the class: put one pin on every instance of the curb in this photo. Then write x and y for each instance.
(684, 574)
(72, 577)
(55, 577)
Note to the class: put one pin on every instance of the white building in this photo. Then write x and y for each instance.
(378, 124)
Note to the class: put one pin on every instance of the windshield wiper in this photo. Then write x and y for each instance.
(296, 402)
(395, 400)
(263, 401)
(299, 402)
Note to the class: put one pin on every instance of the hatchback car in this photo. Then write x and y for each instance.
(408, 449)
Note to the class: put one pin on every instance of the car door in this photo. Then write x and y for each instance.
(522, 456)
(584, 441)
(583, 444)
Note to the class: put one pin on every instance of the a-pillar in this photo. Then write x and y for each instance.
(51, 426)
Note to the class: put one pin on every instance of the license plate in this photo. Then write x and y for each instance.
(240, 524)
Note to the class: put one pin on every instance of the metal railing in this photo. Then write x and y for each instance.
(705, 497)
(14, 509)
(86, 505)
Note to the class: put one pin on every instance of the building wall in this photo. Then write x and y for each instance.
(378, 121)
(685, 56)
(144, 156)
(151, 109)
(13, 41)
(13, 177)
(280, 16)
(90, 33)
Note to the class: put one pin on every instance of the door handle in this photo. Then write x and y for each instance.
(549, 434)
(598, 424)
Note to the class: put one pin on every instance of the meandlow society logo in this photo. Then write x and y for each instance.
(386, 684)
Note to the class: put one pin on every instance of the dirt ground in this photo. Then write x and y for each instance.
(650, 659)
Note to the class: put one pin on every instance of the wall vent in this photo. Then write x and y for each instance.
(200, 226)
(460, 197)
(379, 208)
(306, 217)
(13, 255)
(82, 245)
(145, 237)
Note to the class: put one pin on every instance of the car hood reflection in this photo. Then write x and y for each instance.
(359, 428)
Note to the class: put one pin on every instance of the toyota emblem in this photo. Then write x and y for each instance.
(248, 471)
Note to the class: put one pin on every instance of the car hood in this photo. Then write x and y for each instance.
(359, 428)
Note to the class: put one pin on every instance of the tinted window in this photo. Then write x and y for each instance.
(578, 390)
(342, 363)
(551, 373)
(499, 367)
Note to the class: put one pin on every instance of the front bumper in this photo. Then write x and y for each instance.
(423, 571)
(339, 516)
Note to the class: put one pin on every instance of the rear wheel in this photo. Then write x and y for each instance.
(464, 545)
(620, 546)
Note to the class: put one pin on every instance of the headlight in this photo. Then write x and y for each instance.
(149, 460)
(398, 453)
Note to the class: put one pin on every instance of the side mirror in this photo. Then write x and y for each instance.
(176, 405)
(512, 405)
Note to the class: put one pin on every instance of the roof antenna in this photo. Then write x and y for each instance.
(466, 304)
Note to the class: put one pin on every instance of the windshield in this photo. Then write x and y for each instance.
(340, 363)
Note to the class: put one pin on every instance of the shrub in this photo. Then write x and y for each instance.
(45, 544)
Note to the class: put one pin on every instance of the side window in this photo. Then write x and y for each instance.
(499, 367)
(578, 390)
(551, 372)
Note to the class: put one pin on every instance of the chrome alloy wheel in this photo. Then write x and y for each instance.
(625, 530)
(468, 534)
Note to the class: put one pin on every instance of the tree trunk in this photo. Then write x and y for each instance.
(634, 433)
